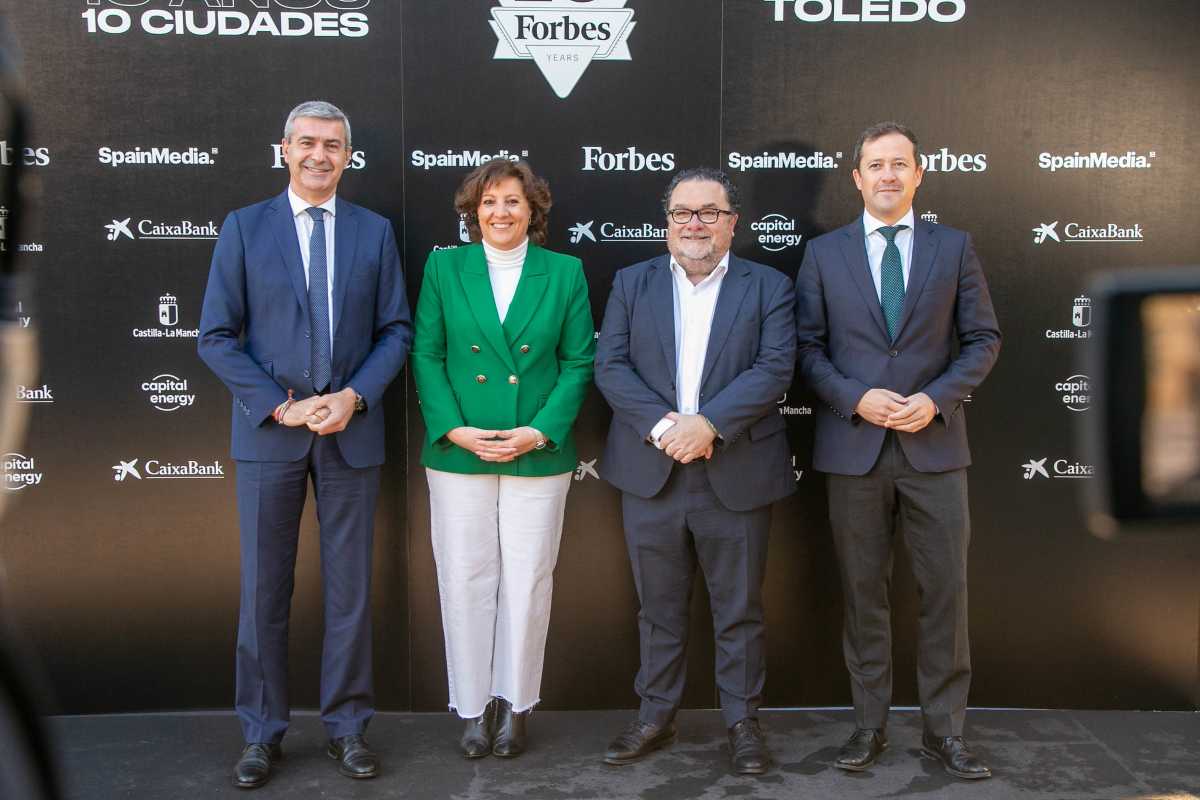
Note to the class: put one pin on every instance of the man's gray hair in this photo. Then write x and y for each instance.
(317, 109)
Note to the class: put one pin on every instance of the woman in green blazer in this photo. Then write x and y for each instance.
(502, 358)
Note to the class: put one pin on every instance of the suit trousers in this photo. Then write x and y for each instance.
(271, 499)
(495, 543)
(930, 509)
(668, 535)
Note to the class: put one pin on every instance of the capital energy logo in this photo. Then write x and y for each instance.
(460, 159)
(631, 159)
(358, 159)
(1079, 233)
(35, 395)
(167, 392)
(870, 10)
(224, 18)
(563, 37)
(1130, 159)
(1075, 392)
(23, 317)
(158, 157)
(797, 473)
(20, 471)
(1062, 468)
(776, 233)
(168, 320)
(149, 229)
(616, 233)
(1081, 319)
(783, 159)
(155, 469)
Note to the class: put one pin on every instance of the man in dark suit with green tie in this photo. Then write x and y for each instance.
(895, 330)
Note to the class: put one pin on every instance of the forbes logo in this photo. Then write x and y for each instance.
(358, 159)
(562, 37)
(872, 10)
(945, 161)
(596, 159)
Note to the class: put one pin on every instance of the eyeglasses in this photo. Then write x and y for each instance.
(709, 216)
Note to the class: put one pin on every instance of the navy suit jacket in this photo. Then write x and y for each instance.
(254, 329)
(748, 367)
(946, 344)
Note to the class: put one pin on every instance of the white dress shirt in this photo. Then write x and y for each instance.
(877, 243)
(504, 271)
(695, 305)
(304, 229)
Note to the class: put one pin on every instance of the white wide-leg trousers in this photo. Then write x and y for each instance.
(495, 542)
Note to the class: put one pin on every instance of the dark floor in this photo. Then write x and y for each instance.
(1058, 755)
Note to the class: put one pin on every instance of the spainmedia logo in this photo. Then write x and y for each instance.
(1130, 159)
(563, 37)
(460, 159)
(158, 157)
(783, 159)
(261, 18)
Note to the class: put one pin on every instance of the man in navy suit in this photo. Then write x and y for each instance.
(695, 350)
(305, 320)
(896, 329)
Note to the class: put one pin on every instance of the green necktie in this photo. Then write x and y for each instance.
(891, 280)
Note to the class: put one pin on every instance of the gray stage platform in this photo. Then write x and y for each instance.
(1051, 755)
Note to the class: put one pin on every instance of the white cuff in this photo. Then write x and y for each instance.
(658, 430)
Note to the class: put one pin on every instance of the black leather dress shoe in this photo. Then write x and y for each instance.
(637, 741)
(747, 748)
(955, 755)
(355, 759)
(253, 768)
(861, 750)
(478, 731)
(510, 730)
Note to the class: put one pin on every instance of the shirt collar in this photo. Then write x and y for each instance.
(715, 275)
(300, 205)
(871, 224)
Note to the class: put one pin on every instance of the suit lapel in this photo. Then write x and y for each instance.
(925, 247)
(345, 243)
(854, 250)
(662, 305)
(478, 288)
(530, 290)
(729, 302)
(283, 225)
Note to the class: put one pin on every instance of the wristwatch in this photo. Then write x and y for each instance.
(360, 405)
(540, 444)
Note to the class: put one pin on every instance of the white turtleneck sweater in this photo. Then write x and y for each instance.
(504, 269)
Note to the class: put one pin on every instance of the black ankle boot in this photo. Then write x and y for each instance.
(477, 735)
(510, 731)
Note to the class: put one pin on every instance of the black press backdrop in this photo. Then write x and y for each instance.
(1049, 127)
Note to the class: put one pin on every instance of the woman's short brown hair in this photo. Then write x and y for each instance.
(537, 193)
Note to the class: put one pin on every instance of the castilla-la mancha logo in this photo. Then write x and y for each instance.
(563, 37)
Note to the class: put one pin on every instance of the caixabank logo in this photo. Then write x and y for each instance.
(869, 10)
(273, 18)
(563, 37)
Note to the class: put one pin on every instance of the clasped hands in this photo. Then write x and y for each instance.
(322, 414)
(899, 413)
(690, 438)
(497, 446)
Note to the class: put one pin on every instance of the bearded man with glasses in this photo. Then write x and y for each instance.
(695, 349)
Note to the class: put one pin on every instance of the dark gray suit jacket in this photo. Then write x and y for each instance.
(947, 342)
(748, 367)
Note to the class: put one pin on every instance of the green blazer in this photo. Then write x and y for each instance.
(535, 369)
